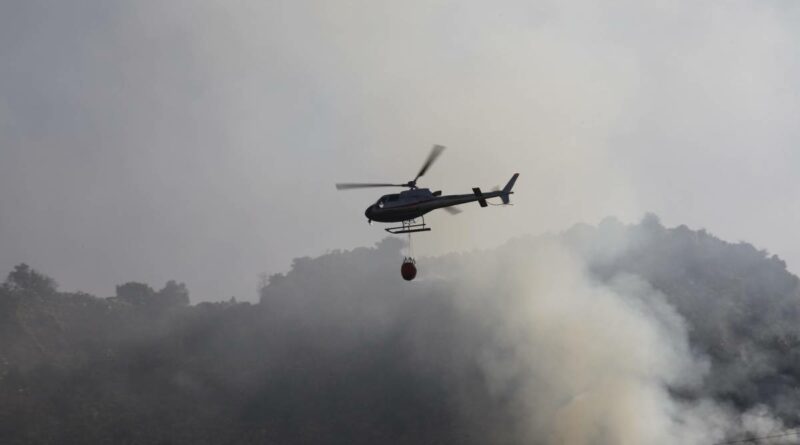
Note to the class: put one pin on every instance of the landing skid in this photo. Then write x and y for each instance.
(410, 226)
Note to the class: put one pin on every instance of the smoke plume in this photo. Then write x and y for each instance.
(608, 334)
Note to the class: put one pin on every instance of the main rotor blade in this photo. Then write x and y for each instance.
(435, 152)
(452, 210)
(360, 185)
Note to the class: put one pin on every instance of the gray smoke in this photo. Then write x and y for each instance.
(206, 137)
(614, 334)
(578, 337)
(588, 361)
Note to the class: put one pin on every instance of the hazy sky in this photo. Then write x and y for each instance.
(200, 140)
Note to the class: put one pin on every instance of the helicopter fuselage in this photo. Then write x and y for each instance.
(414, 203)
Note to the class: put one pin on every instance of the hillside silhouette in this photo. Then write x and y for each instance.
(548, 339)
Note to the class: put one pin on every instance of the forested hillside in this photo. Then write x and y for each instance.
(546, 339)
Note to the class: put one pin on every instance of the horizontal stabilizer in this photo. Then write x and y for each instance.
(479, 194)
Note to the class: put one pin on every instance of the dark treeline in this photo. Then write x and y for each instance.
(341, 350)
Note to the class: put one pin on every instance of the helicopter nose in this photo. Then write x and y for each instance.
(368, 213)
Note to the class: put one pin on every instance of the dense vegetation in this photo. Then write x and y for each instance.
(340, 350)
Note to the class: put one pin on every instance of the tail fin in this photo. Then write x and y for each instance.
(507, 189)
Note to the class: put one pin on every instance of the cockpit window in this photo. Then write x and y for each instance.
(386, 199)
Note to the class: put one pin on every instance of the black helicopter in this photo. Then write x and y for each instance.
(408, 206)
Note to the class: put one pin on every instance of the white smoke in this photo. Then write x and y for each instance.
(584, 362)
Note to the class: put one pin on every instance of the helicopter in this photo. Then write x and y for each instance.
(409, 206)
